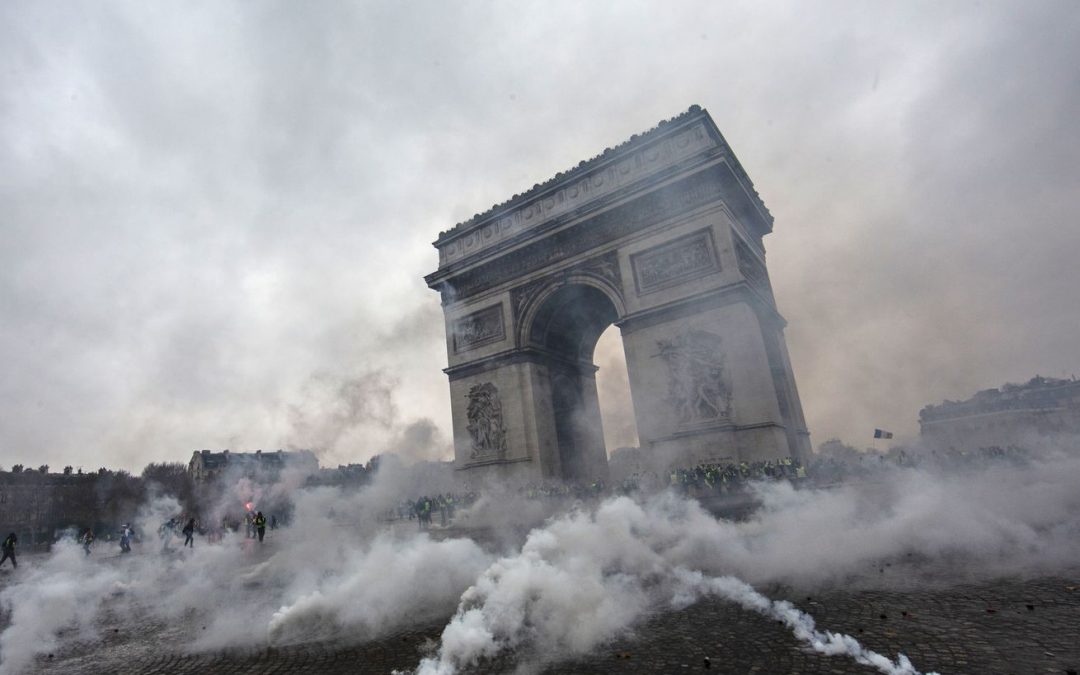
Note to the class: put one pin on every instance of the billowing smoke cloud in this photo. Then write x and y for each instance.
(572, 583)
(347, 418)
(317, 583)
(420, 441)
(204, 205)
(586, 577)
(333, 407)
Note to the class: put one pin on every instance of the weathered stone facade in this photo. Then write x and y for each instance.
(1012, 415)
(661, 236)
(205, 466)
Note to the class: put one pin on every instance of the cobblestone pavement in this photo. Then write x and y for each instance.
(1008, 626)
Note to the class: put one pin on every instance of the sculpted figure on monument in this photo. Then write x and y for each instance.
(486, 421)
(697, 386)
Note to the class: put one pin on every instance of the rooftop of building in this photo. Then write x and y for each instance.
(215, 460)
(1037, 393)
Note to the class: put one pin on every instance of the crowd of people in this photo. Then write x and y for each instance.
(184, 525)
(556, 491)
(422, 508)
(730, 477)
(714, 479)
(702, 480)
(691, 481)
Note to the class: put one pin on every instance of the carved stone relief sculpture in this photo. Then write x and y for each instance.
(677, 261)
(698, 388)
(486, 422)
(479, 328)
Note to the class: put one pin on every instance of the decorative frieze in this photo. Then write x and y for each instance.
(675, 262)
(479, 328)
(691, 192)
(592, 185)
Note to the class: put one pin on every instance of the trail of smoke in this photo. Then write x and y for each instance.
(586, 577)
(693, 585)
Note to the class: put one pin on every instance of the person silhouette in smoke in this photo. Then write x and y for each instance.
(260, 525)
(9, 549)
(166, 533)
(189, 533)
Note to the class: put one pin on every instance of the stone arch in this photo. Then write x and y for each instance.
(661, 236)
(563, 327)
(528, 321)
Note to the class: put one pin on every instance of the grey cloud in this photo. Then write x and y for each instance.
(206, 205)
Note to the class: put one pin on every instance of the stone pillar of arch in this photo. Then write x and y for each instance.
(661, 236)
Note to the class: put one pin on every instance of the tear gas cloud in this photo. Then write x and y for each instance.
(578, 579)
(586, 577)
(318, 586)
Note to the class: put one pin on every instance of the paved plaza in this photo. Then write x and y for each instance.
(1005, 626)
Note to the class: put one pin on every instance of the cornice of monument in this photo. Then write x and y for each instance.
(509, 214)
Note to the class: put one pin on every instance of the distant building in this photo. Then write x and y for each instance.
(1012, 415)
(205, 466)
(34, 503)
(37, 505)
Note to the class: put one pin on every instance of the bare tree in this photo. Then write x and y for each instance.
(172, 478)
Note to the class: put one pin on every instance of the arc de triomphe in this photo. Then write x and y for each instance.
(661, 236)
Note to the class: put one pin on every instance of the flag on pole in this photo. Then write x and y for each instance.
(881, 433)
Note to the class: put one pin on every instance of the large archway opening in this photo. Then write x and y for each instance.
(613, 388)
(566, 328)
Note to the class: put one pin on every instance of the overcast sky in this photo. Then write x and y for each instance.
(215, 217)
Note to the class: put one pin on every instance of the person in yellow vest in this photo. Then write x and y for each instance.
(260, 525)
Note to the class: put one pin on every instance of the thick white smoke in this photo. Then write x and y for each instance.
(580, 579)
(587, 576)
(332, 574)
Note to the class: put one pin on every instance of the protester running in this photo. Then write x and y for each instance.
(260, 525)
(125, 539)
(9, 549)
